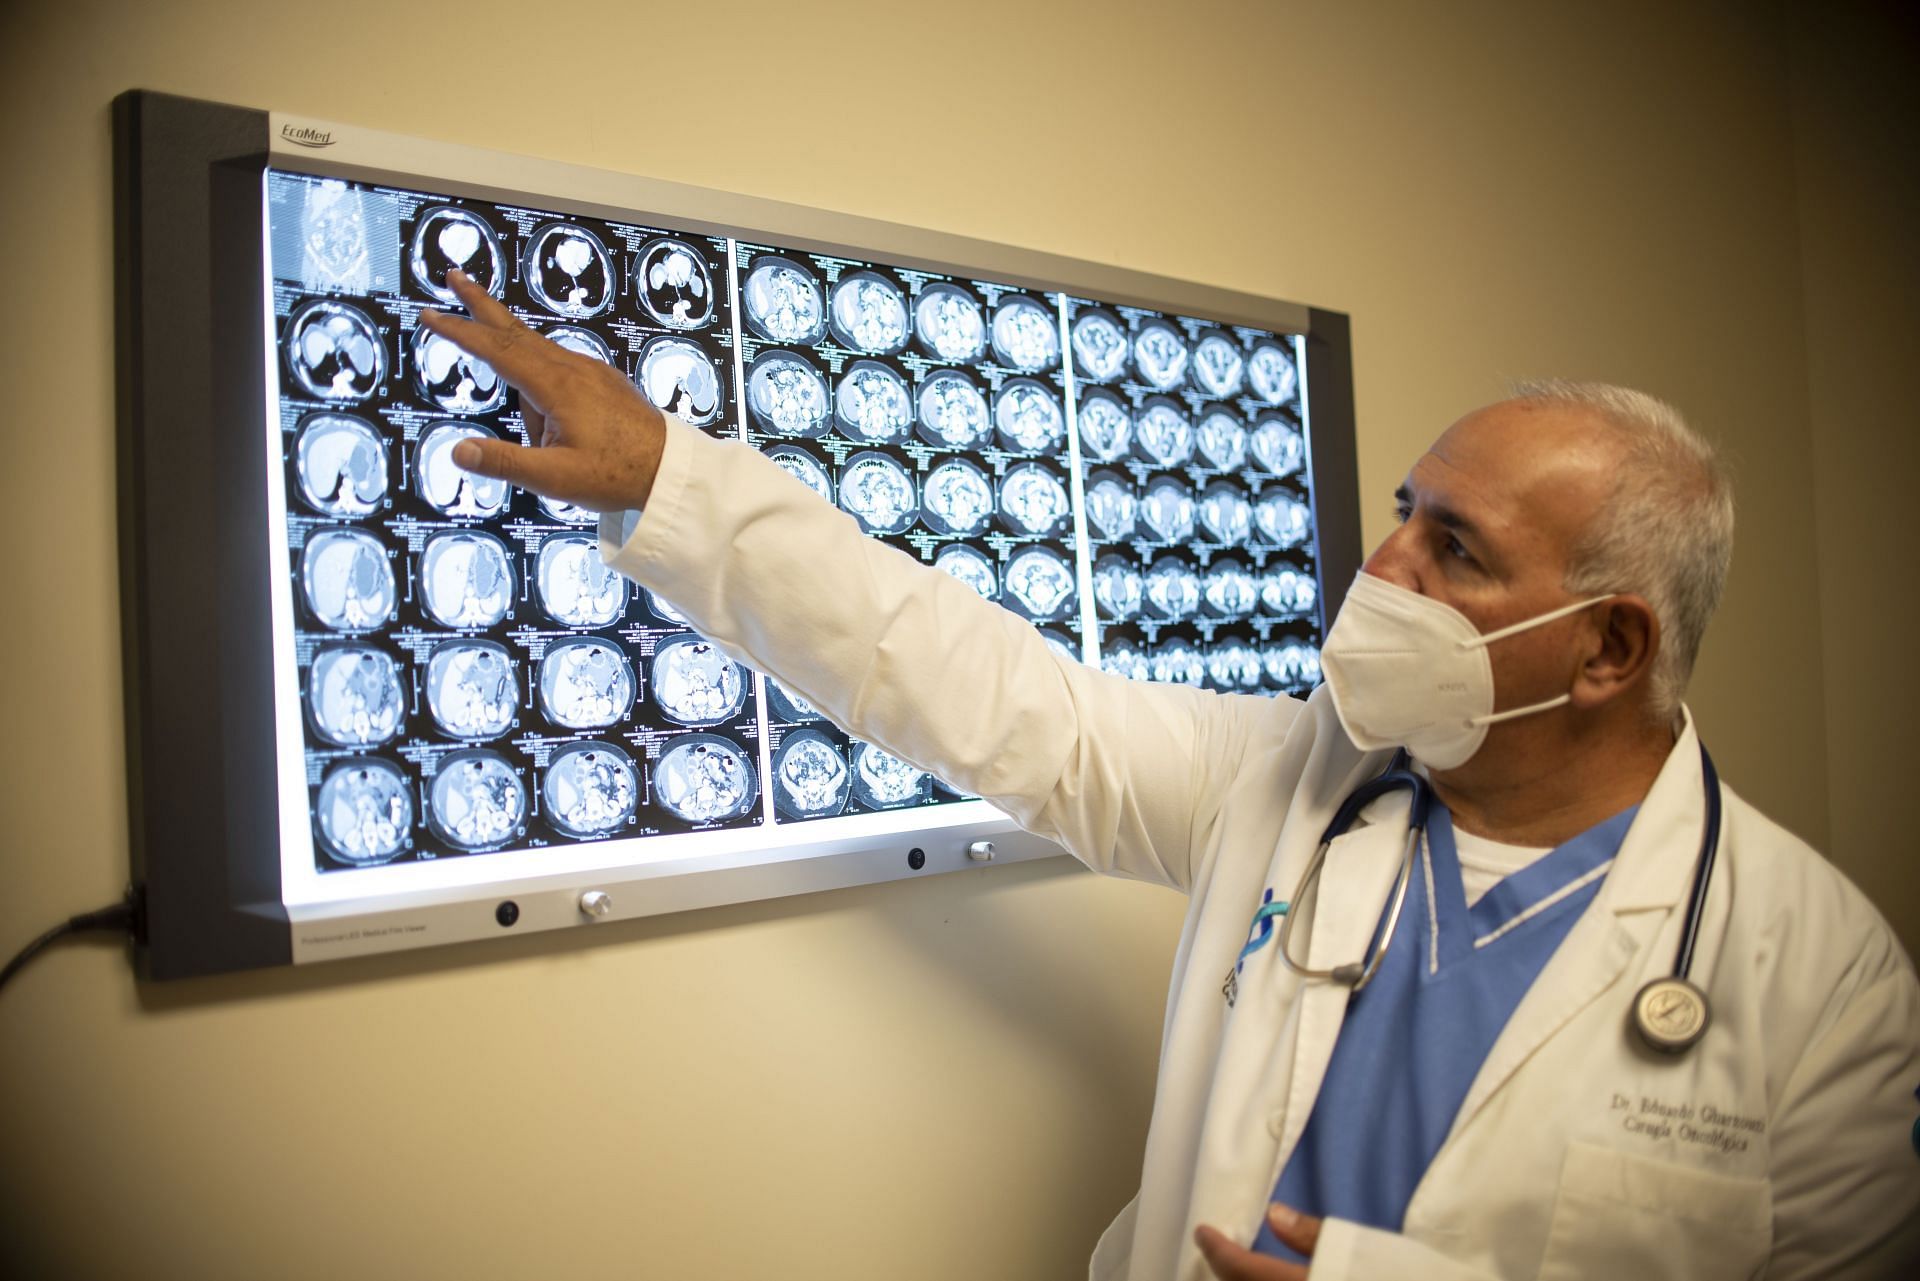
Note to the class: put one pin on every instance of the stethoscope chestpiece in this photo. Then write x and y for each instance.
(1670, 1014)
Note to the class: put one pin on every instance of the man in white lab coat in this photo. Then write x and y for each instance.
(1486, 1108)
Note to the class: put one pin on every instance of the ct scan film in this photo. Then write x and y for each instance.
(471, 678)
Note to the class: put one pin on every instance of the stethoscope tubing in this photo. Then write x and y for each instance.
(1399, 774)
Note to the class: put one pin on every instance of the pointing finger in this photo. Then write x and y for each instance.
(494, 335)
(515, 464)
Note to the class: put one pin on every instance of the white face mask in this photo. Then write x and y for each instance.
(1408, 671)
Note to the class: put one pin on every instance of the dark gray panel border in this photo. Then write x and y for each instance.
(195, 631)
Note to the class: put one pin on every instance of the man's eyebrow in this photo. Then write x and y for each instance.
(1439, 511)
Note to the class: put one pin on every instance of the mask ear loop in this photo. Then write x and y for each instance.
(1525, 624)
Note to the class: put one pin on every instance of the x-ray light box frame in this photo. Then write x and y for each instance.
(205, 792)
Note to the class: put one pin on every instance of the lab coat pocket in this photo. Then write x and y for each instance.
(1619, 1214)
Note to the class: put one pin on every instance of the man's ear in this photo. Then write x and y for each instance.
(1626, 642)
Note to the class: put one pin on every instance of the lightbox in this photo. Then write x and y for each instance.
(374, 702)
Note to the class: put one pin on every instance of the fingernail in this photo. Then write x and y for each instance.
(466, 454)
(456, 274)
(1279, 1216)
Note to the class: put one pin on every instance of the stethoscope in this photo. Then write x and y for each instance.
(1670, 1013)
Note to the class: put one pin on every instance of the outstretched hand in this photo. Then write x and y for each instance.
(1231, 1262)
(596, 439)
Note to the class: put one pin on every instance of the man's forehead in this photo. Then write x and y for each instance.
(1532, 467)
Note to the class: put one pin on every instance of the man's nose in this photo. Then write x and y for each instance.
(1394, 560)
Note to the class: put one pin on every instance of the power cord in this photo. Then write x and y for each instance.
(121, 918)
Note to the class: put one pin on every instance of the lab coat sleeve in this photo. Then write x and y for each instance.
(1846, 1175)
(1348, 1251)
(898, 653)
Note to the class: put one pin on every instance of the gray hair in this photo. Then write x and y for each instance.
(1666, 530)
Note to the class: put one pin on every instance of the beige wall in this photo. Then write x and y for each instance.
(1855, 104)
(944, 1078)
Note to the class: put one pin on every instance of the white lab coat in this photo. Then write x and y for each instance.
(1779, 1146)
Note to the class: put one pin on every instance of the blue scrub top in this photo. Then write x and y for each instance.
(1414, 1040)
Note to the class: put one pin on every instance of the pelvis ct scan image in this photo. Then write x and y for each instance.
(468, 676)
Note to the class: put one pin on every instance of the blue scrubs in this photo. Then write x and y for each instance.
(1414, 1040)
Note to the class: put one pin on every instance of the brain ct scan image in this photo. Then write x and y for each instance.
(872, 404)
(868, 313)
(586, 684)
(957, 498)
(450, 378)
(1219, 370)
(475, 800)
(1039, 583)
(1099, 344)
(884, 781)
(348, 581)
(1028, 417)
(705, 778)
(364, 812)
(354, 694)
(1171, 590)
(577, 588)
(590, 789)
(673, 284)
(952, 410)
(1160, 354)
(789, 706)
(341, 464)
(1222, 440)
(1168, 510)
(810, 776)
(971, 567)
(1228, 589)
(583, 342)
(1033, 500)
(1271, 373)
(804, 467)
(782, 301)
(679, 379)
(467, 579)
(569, 271)
(450, 238)
(335, 352)
(1026, 334)
(1106, 428)
(949, 323)
(445, 485)
(1226, 517)
(1113, 510)
(471, 689)
(1116, 588)
(879, 493)
(1162, 434)
(696, 684)
(1278, 447)
(786, 395)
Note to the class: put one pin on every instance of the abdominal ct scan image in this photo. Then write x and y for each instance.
(471, 677)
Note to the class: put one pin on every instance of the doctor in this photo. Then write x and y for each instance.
(1483, 1107)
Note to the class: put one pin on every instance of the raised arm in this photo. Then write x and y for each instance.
(891, 650)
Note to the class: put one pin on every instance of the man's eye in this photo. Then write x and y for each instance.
(1401, 513)
(1458, 549)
